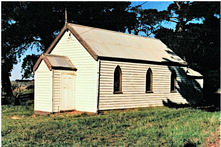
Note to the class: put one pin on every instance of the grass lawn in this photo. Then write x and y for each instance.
(154, 126)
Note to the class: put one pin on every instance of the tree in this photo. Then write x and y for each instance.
(11, 47)
(27, 66)
(148, 20)
(28, 25)
(198, 43)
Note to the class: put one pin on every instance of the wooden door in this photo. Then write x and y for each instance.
(67, 99)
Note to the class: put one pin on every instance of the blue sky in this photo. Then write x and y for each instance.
(159, 5)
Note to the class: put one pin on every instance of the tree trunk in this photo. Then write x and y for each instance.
(6, 84)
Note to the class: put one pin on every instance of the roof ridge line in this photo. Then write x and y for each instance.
(112, 31)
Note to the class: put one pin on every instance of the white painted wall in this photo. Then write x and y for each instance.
(43, 88)
(86, 74)
(133, 86)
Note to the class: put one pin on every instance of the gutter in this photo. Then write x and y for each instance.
(166, 63)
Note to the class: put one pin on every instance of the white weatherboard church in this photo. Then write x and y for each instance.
(90, 69)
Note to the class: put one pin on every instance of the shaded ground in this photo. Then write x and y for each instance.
(205, 105)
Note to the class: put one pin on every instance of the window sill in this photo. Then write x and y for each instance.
(149, 91)
(118, 92)
(173, 91)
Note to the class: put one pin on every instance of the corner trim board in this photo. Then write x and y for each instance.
(52, 90)
(98, 88)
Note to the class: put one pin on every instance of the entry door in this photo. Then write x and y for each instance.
(67, 99)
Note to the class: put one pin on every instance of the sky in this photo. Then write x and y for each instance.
(159, 5)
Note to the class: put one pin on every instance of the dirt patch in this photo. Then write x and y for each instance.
(33, 116)
(66, 113)
(70, 113)
(214, 139)
(15, 117)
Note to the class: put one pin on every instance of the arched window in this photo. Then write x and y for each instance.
(118, 80)
(173, 82)
(149, 81)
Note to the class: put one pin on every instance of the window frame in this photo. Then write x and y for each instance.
(149, 84)
(120, 81)
(173, 82)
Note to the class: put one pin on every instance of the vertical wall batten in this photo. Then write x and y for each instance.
(52, 90)
(98, 87)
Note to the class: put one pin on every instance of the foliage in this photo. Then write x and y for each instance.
(15, 86)
(28, 64)
(15, 40)
(159, 126)
(28, 25)
(148, 20)
(198, 44)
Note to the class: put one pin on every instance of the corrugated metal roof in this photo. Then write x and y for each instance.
(56, 61)
(106, 43)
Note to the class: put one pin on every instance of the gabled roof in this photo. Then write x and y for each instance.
(55, 62)
(106, 44)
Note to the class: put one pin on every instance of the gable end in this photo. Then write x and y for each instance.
(56, 40)
(42, 57)
(83, 42)
(55, 62)
(78, 37)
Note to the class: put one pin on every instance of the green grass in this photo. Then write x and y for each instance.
(159, 126)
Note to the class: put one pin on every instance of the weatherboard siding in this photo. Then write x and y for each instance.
(133, 86)
(43, 88)
(57, 91)
(86, 74)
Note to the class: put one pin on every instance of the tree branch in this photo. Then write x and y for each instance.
(173, 21)
(173, 17)
(177, 5)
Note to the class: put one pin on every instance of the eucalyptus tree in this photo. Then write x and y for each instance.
(196, 37)
(34, 25)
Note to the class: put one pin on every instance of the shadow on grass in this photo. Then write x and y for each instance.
(190, 144)
(171, 104)
(204, 106)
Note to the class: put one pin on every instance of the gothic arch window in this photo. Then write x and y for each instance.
(149, 81)
(173, 81)
(118, 80)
